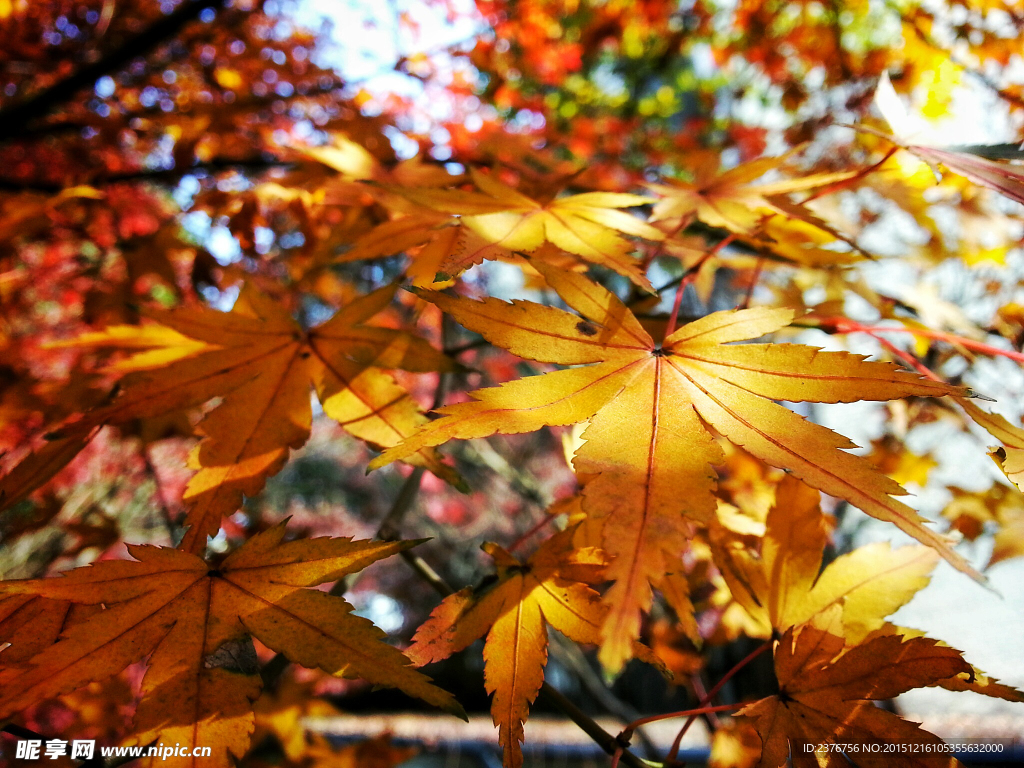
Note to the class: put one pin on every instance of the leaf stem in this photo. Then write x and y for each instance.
(688, 277)
(907, 358)
(860, 175)
(548, 517)
(710, 695)
(754, 279)
(681, 713)
(845, 325)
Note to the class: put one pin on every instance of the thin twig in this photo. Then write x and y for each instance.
(544, 521)
(388, 530)
(753, 284)
(158, 494)
(570, 655)
(601, 737)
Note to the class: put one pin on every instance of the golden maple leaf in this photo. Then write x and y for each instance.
(550, 589)
(586, 224)
(281, 712)
(734, 744)
(1009, 456)
(731, 200)
(760, 215)
(647, 459)
(826, 698)
(783, 585)
(441, 246)
(194, 621)
(1002, 507)
(262, 364)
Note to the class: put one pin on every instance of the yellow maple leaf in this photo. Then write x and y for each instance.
(826, 698)
(281, 712)
(550, 589)
(731, 200)
(734, 745)
(783, 585)
(441, 247)
(587, 224)
(1009, 456)
(262, 364)
(647, 460)
(1002, 507)
(194, 621)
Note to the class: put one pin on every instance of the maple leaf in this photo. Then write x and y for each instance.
(825, 697)
(647, 458)
(1009, 456)
(587, 224)
(441, 246)
(1001, 506)
(194, 622)
(377, 752)
(548, 589)
(282, 711)
(731, 200)
(969, 162)
(41, 465)
(974, 680)
(783, 585)
(735, 744)
(262, 365)
(36, 622)
(1004, 178)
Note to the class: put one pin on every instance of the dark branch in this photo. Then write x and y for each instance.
(14, 120)
(255, 165)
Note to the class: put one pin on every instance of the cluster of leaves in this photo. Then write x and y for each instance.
(155, 379)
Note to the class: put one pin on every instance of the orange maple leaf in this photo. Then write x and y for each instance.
(196, 620)
(826, 698)
(587, 224)
(733, 201)
(262, 364)
(647, 458)
(550, 588)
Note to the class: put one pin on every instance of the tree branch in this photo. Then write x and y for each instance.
(14, 120)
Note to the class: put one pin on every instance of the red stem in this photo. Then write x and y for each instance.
(906, 357)
(628, 730)
(847, 182)
(544, 521)
(674, 751)
(753, 283)
(845, 325)
(688, 277)
(684, 222)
